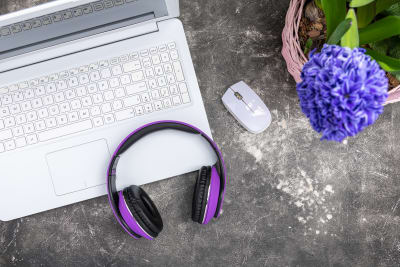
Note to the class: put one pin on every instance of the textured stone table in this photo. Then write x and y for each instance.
(292, 200)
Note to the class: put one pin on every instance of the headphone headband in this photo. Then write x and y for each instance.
(139, 134)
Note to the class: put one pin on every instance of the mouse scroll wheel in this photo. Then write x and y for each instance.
(238, 96)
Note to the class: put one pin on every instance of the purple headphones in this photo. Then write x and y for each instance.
(137, 213)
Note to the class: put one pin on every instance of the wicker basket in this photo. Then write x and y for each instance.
(292, 52)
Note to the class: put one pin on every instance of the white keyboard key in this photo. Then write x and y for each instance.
(109, 118)
(144, 53)
(4, 112)
(161, 81)
(131, 101)
(29, 94)
(61, 85)
(84, 113)
(6, 134)
(7, 99)
(95, 111)
(174, 55)
(26, 106)
(117, 70)
(94, 76)
(32, 139)
(65, 107)
(171, 78)
(70, 94)
(103, 63)
(108, 95)
(153, 50)
(139, 111)
(155, 94)
(152, 84)
(28, 128)
(86, 101)
(20, 142)
(174, 89)
(97, 98)
(178, 71)
(48, 100)
(73, 81)
(120, 92)
(18, 96)
(103, 85)
(117, 105)
(43, 113)
(98, 121)
(137, 76)
(167, 103)
(164, 92)
(159, 70)
(9, 122)
(145, 97)
(172, 45)
(164, 57)
(37, 103)
(72, 116)
(176, 100)
(92, 88)
(149, 72)
(136, 88)
(23, 85)
(2, 148)
(51, 122)
(162, 48)
(59, 97)
(125, 79)
(31, 116)
(54, 110)
(168, 68)
(62, 119)
(183, 88)
(20, 119)
(40, 125)
(106, 107)
(9, 145)
(158, 105)
(14, 109)
(83, 79)
(148, 108)
(51, 88)
(146, 62)
(114, 82)
(13, 88)
(185, 98)
(105, 73)
(76, 104)
(4, 90)
(65, 130)
(155, 59)
(81, 91)
(1, 124)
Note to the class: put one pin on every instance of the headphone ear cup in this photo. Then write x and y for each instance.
(199, 203)
(143, 210)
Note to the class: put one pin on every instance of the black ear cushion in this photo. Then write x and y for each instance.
(200, 194)
(143, 209)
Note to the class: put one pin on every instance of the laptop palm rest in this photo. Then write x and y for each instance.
(64, 163)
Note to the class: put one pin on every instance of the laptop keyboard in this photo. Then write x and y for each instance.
(91, 96)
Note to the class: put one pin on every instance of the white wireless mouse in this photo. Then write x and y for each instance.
(247, 107)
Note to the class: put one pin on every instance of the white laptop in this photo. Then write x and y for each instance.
(76, 77)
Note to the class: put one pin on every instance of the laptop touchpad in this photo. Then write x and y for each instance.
(78, 168)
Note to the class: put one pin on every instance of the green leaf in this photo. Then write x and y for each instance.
(380, 30)
(393, 10)
(358, 3)
(340, 30)
(381, 47)
(365, 14)
(382, 5)
(318, 3)
(335, 12)
(308, 46)
(389, 64)
(351, 39)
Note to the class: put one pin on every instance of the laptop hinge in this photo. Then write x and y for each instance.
(78, 45)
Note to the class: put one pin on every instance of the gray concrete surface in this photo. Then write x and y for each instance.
(292, 200)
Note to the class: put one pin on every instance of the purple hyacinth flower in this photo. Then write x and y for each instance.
(342, 91)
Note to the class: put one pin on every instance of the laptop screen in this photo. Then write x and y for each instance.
(74, 23)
